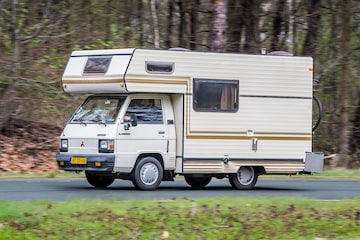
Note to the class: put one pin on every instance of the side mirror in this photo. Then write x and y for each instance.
(133, 120)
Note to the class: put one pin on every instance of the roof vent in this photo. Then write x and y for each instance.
(280, 53)
(179, 49)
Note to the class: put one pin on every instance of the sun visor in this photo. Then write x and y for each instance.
(96, 71)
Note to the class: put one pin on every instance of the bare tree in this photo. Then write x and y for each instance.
(236, 23)
(345, 77)
(170, 24)
(355, 136)
(155, 23)
(9, 106)
(277, 22)
(218, 26)
(313, 22)
(182, 25)
(251, 16)
(194, 23)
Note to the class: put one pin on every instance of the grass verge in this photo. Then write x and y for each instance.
(328, 173)
(59, 174)
(222, 218)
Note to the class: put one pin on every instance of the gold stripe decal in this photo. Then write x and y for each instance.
(92, 81)
(240, 137)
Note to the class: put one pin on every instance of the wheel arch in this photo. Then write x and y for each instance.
(157, 156)
(259, 170)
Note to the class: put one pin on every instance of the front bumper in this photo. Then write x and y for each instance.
(93, 163)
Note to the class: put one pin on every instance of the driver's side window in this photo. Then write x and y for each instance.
(147, 111)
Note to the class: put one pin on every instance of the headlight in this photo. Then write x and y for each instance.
(64, 145)
(106, 146)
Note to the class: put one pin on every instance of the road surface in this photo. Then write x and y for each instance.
(64, 189)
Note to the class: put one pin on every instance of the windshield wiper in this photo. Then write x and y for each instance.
(103, 122)
(99, 121)
(81, 120)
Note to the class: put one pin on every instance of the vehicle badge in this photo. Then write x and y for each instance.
(82, 144)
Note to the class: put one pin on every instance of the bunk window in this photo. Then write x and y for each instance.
(215, 95)
(97, 65)
(159, 67)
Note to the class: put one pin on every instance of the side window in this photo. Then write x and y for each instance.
(148, 111)
(215, 95)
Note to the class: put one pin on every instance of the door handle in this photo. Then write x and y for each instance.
(161, 132)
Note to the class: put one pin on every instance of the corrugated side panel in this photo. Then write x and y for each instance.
(261, 115)
(74, 79)
(280, 127)
(258, 74)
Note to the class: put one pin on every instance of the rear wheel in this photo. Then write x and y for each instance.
(148, 174)
(245, 178)
(197, 182)
(99, 180)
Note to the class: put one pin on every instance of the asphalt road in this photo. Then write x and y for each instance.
(64, 189)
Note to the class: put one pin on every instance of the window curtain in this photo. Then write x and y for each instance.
(228, 97)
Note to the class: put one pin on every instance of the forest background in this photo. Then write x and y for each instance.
(37, 37)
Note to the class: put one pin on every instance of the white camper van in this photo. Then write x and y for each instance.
(155, 114)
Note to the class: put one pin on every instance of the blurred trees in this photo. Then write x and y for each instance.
(36, 38)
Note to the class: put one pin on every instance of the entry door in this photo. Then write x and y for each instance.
(149, 136)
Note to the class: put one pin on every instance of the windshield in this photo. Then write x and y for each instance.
(98, 109)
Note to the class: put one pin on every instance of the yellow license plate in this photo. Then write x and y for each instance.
(78, 160)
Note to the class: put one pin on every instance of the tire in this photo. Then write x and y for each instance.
(148, 174)
(244, 179)
(99, 180)
(197, 182)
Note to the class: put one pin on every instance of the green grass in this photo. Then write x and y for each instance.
(222, 218)
(59, 174)
(328, 173)
(341, 173)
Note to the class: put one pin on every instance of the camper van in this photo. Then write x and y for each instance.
(151, 115)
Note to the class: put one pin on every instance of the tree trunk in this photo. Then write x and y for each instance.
(155, 23)
(280, 6)
(235, 22)
(313, 28)
(251, 19)
(182, 24)
(109, 9)
(218, 26)
(7, 105)
(194, 23)
(170, 24)
(141, 23)
(344, 91)
(330, 79)
(355, 135)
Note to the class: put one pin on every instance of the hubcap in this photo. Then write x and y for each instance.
(149, 173)
(246, 175)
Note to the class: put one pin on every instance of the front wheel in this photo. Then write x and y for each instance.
(148, 174)
(99, 180)
(197, 182)
(245, 178)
